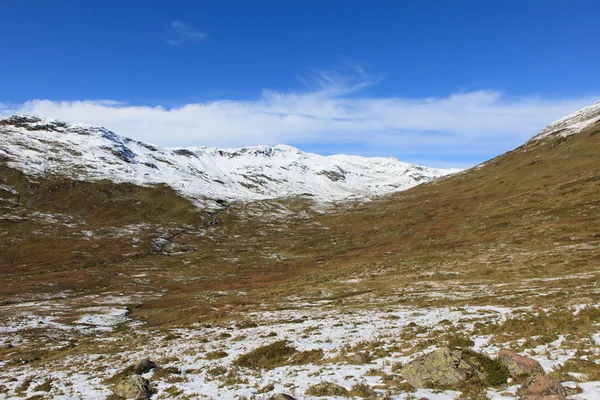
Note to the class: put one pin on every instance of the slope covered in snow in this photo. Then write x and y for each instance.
(572, 123)
(43, 146)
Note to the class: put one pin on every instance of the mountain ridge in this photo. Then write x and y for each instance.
(38, 146)
(571, 124)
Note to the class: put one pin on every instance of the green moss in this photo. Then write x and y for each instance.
(495, 373)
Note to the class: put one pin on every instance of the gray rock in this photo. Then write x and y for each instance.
(541, 385)
(440, 368)
(519, 365)
(133, 387)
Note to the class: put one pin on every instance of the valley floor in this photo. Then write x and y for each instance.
(99, 340)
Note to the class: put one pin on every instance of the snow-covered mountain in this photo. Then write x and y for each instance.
(571, 124)
(45, 146)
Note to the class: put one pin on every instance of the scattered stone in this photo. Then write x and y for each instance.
(133, 387)
(281, 396)
(440, 368)
(519, 365)
(542, 386)
(143, 366)
(361, 357)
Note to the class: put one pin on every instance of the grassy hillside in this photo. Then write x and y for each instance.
(529, 214)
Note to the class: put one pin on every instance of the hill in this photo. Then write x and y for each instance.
(504, 255)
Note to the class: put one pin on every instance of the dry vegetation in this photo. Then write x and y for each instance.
(521, 230)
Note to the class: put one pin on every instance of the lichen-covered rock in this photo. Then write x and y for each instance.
(440, 368)
(519, 365)
(143, 366)
(133, 387)
(541, 385)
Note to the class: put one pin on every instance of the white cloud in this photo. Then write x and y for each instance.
(181, 32)
(461, 126)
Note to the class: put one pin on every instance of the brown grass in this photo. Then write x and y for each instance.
(267, 357)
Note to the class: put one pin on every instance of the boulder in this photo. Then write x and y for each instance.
(519, 365)
(361, 357)
(133, 387)
(440, 368)
(143, 366)
(542, 386)
(281, 396)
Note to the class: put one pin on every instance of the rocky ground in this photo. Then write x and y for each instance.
(305, 350)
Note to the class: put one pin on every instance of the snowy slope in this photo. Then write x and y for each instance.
(42, 146)
(572, 123)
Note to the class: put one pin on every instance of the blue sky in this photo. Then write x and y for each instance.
(436, 82)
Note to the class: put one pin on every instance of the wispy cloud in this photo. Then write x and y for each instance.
(181, 32)
(458, 128)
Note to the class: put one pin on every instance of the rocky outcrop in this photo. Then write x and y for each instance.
(538, 387)
(518, 365)
(440, 368)
(133, 387)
